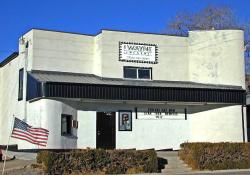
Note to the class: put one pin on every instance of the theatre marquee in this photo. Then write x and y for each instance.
(138, 52)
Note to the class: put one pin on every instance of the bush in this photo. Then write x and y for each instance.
(44, 158)
(216, 156)
(93, 161)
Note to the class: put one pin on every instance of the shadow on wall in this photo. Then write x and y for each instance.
(11, 147)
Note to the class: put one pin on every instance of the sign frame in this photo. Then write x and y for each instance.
(162, 117)
(127, 126)
(138, 61)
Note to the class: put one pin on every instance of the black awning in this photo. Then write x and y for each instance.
(92, 87)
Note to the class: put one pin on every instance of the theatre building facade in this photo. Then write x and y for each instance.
(122, 90)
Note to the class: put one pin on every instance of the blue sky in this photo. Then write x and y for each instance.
(90, 16)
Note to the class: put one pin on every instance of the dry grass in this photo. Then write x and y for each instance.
(216, 156)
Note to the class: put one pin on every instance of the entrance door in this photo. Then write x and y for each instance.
(248, 123)
(105, 130)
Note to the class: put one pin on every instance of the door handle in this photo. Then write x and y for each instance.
(98, 133)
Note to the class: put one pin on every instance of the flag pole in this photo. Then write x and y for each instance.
(5, 156)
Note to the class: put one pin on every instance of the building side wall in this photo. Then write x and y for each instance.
(9, 104)
(97, 57)
(158, 134)
(55, 51)
(217, 125)
(47, 113)
(86, 129)
(217, 57)
(172, 55)
(145, 134)
(10, 107)
(206, 57)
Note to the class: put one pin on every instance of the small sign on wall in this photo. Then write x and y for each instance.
(161, 113)
(138, 52)
(74, 124)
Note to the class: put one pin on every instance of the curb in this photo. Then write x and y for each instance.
(218, 171)
(20, 155)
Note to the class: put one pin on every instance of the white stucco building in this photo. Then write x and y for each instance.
(122, 89)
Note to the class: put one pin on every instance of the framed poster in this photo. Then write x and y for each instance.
(125, 120)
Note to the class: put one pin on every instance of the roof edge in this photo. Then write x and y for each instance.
(60, 31)
(149, 33)
(9, 59)
(101, 30)
(210, 30)
(229, 87)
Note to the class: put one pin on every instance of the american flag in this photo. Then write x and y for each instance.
(23, 131)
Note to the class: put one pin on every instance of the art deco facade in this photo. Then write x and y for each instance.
(126, 90)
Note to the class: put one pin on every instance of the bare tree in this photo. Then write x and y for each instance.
(211, 17)
(246, 28)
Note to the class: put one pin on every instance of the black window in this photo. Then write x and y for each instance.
(66, 125)
(144, 73)
(248, 117)
(130, 72)
(137, 73)
(20, 85)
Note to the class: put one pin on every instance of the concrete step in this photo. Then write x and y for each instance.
(177, 169)
(177, 165)
(167, 153)
(174, 164)
(175, 172)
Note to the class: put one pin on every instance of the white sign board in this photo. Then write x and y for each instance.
(136, 52)
(161, 113)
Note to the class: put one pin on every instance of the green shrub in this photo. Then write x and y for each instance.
(216, 156)
(99, 161)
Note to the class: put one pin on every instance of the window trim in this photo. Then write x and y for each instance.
(20, 84)
(137, 73)
(70, 124)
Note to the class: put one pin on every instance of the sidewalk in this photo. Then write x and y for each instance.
(176, 166)
(218, 172)
(16, 164)
(20, 164)
(221, 172)
(20, 155)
